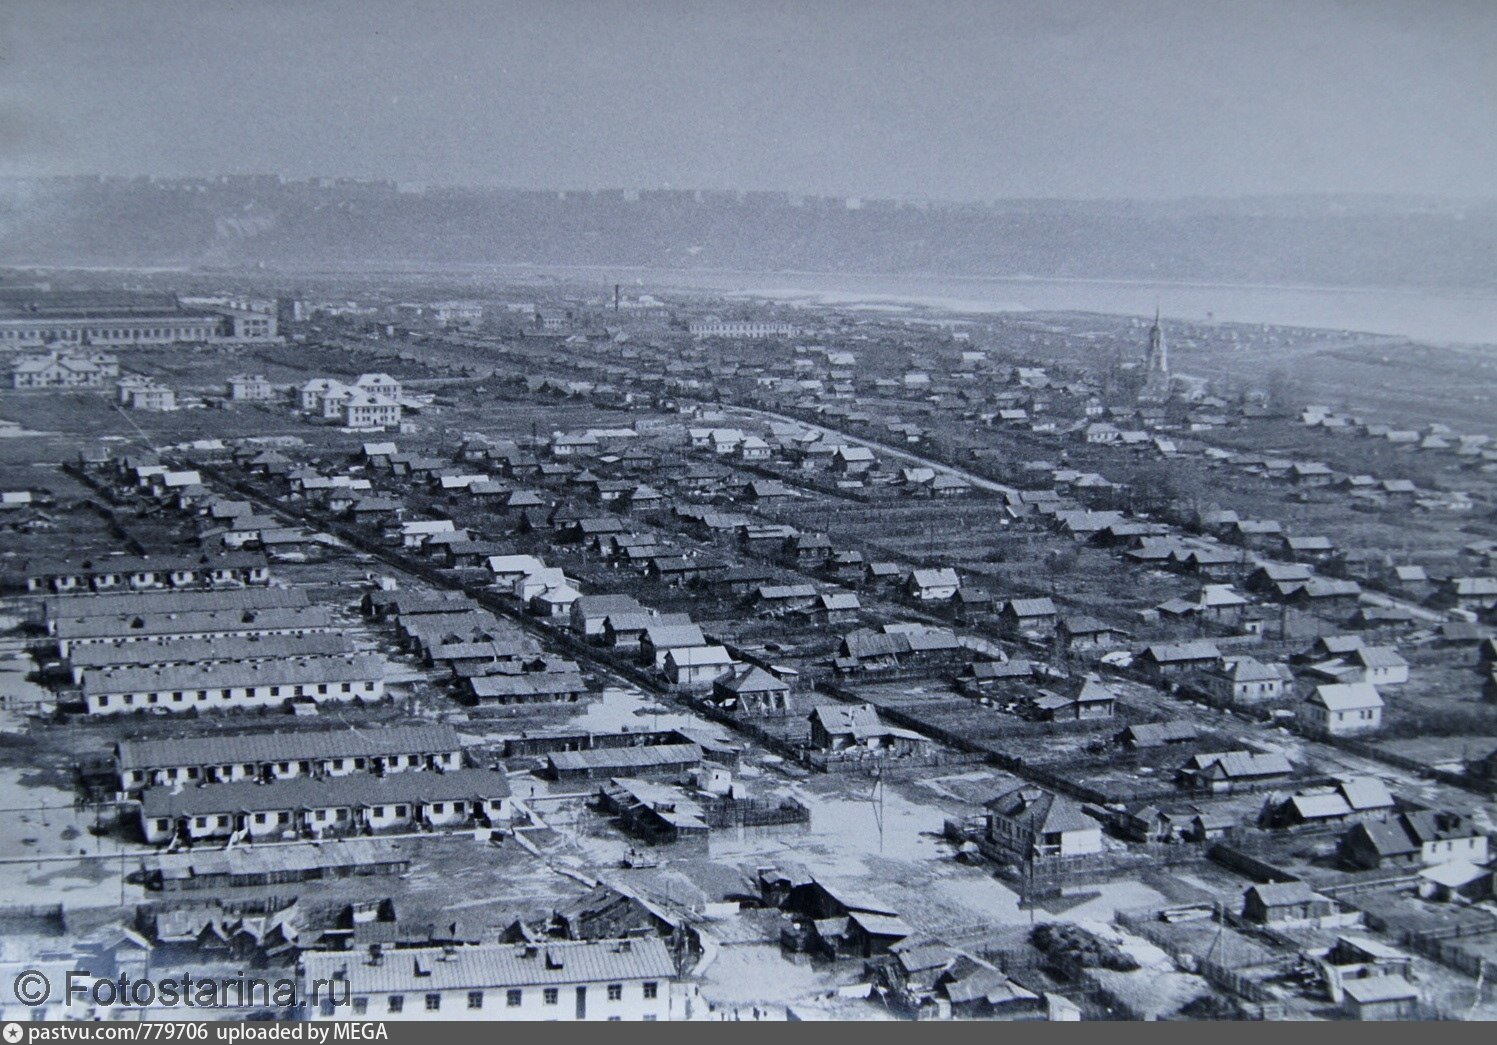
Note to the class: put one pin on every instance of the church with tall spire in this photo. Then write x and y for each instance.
(1157, 366)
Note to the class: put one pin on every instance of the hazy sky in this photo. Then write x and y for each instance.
(910, 98)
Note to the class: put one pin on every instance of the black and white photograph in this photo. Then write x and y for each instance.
(745, 510)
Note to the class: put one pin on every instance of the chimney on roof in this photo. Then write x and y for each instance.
(376, 954)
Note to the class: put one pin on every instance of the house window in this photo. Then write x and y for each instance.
(513, 998)
(651, 989)
(433, 1002)
(360, 1006)
(397, 1003)
(475, 999)
(551, 995)
(615, 992)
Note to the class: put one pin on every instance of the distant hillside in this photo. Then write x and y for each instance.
(236, 220)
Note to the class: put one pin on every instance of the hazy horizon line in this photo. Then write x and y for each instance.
(418, 187)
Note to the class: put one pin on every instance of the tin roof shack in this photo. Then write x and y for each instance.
(936, 585)
(1380, 998)
(601, 763)
(750, 690)
(661, 814)
(1356, 798)
(536, 687)
(1167, 661)
(1028, 618)
(630, 979)
(926, 978)
(1083, 700)
(1030, 822)
(896, 646)
(855, 730)
(992, 678)
(834, 920)
(608, 913)
(1285, 904)
(1079, 634)
(1223, 772)
(1159, 734)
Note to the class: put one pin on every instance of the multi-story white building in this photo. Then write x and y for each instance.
(251, 387)
(69, 319)
(372, 401)
(604, 980)
(742, 329)
(370, 410)
(147, 395)
(63, 370)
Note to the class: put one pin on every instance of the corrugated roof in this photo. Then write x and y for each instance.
(149, 603)
(247, 622)
(306, 671)
(274, 745)
(358, 789)
(182, 651)
(494, 966)
(643, 756)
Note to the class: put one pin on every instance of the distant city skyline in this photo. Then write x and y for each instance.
(954, 100)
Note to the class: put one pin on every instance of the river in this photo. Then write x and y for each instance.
(1434, 315)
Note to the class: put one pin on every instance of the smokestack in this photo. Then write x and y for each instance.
(615, 297)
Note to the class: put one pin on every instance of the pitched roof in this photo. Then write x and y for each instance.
(633, 758)
(357, 789)
(1346, 696)
(1046, 811)
(358, 667)
(753, 679)
(280, 745)
(1283, 894)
